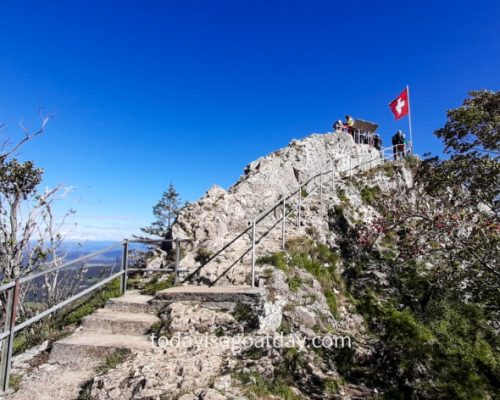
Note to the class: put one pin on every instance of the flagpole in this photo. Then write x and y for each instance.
(409, 117)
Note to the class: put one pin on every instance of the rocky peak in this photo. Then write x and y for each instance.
(220, 215)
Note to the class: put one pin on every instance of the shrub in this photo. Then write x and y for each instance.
(332, 301)
(276, 260)
(294, 283)
(244, 314)
(203, 255)
(369, 194)
(341, 194)
(156, 285)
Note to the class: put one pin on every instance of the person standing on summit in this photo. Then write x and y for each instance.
(398, 145)
(349, 124)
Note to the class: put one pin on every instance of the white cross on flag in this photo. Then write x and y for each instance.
(400, 106)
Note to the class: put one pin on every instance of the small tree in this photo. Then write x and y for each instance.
(28, 239)
(165, 212)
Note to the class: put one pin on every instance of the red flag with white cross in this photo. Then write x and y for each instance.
(401, 105)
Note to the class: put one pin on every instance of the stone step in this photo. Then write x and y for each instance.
(132, 301)
(116, 322)
(215, 294)
(87, 347)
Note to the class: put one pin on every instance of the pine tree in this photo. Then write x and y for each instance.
(165, 212)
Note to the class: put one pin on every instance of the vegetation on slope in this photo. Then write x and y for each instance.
(438, 243)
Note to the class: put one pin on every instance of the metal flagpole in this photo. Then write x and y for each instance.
(409, 117)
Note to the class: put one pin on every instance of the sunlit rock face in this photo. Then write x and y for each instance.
(220, 215)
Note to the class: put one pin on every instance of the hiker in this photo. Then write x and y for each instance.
(402, 146)
(349, 125)
(337, 126)
(377, 141)
(398, 145)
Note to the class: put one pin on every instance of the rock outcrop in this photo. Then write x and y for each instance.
(220, 215)
(300, 294)
(300, 304)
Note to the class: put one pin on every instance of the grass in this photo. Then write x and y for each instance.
(321, 262)
(155, 285)
(119, 356)
(256, 387)
(97, 301)
(15, 381)
(294, 283)
(203, 255)
(369, 194)
(332, 301)
(59, 325)
(388, 169)
(277, 260)
(341, 194)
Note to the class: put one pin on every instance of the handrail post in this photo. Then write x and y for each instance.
(321, 188)
(253, 254)
(124, 276)
(177, 261)
(299, 206)
(8, 342)
(283, 227)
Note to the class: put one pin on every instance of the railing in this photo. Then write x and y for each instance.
(292, 203)
(14, 290)
(397, 151)
(323, 177)
(359, 137)
(285, 204)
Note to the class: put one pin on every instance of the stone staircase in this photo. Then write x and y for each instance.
(215, 294)
(123, 323)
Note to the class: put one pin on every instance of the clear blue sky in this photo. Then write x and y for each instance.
(148, 92)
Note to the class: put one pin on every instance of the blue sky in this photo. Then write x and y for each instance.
(144, 93)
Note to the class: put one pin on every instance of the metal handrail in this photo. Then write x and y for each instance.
(30, 277)
(282, 202)
(64, 303)
(7, 336)
(10, 329)
(252, 224)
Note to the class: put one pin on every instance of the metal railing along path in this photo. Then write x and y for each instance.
(383, 156)
(13, 290)
(292, 203)
(288, 205)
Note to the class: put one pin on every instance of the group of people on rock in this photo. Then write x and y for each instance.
(371, 138)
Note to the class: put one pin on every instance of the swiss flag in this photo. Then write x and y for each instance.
(400, 106)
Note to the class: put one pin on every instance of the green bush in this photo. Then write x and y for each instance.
(369, 194)
(245, 314)
(203, 255)
(15, 381)
(341, 194)
(451, 342)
